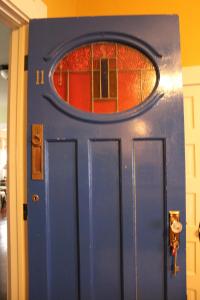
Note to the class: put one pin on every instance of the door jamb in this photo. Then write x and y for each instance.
(16, 14)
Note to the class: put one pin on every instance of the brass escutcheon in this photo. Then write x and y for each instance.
(35, 197)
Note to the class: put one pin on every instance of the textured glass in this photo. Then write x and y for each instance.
(104, 77)
(113, 83)
(104, 50)
(96, 84)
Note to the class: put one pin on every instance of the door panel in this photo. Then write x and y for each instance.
(105, 213)
(62, 219)
(100, 228)
(150, 208)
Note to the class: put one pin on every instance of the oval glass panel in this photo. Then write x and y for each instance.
(104, 78)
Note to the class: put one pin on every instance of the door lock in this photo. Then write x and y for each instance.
(175, 228)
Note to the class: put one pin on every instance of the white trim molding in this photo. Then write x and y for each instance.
(191, 92)
(18, 12)
(17, 227)
(191, 75)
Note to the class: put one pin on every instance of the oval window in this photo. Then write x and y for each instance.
(104, 78)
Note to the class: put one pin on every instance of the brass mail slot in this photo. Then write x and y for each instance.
(37, 152)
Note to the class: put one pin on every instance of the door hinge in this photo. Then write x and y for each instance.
(26, 63)
(25, 211)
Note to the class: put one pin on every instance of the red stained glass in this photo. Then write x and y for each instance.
(79, 78)
(61, 82)
(96, 83)
(113, 83)
(112, 63)
(105, 106)
(148, 81)
(104, 50)
(131, 59)
(96, 64)
(78, 60)
(129, 89)
(80, 91)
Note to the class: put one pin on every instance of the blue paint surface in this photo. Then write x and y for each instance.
(100, 229)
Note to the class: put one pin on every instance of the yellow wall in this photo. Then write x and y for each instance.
(188, 10)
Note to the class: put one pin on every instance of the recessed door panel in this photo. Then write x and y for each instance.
(106, 248)
(150, 212)
(62, 220)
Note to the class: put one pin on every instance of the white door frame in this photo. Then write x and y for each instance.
(191, 88)
(16, 15)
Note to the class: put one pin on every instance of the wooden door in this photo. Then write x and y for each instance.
(108, 165)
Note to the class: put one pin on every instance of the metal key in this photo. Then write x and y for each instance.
(174, 253)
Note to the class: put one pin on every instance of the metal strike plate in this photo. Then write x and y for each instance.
(175, 227)
(37, 152)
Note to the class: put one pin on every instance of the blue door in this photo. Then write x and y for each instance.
(105, 159)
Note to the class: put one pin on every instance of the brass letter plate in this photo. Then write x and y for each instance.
(37, 152)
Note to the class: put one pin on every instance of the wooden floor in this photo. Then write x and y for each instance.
(3, 255)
